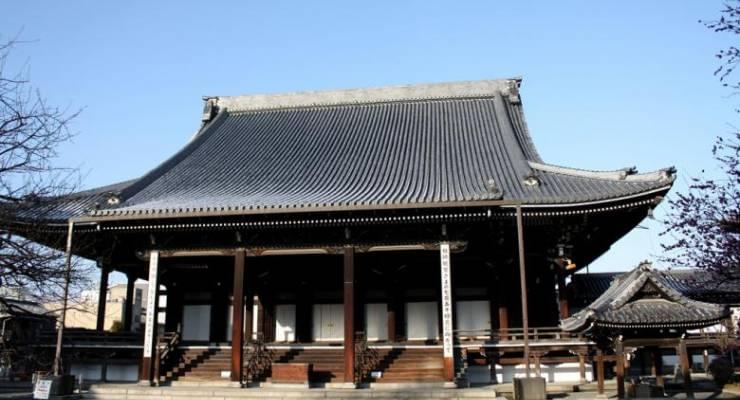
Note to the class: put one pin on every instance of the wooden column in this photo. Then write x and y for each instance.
(537, 363)
(600, 372)
(447, 334)
(657, 366)
(619, 350)
(237, 338)
(683, 356)
(349, 316)
(260, 316)
(563, 297)
(128, 306)
(146, 373)
(304, 314)
(582, 367)
(58, 370)
(523, 285)
(503, 307)
(102, 297)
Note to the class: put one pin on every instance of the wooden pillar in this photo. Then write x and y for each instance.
(128, 307)
(146, 373)
(600, 371)
(102, 297)
(523, 285)
(304, 314)
(657, 366)
(237, 339)
(503, 306)
(563, 297)
(582, 367)
(683, 356)
(619, 350)
(260, 316)
(349, 317)
(537, 363)
(447, 334)
(391, 316)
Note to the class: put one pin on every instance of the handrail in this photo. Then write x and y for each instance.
(165, 348)
(517, 334)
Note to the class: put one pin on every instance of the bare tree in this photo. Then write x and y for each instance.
(729, 22)
(704, 222)
(30, 133)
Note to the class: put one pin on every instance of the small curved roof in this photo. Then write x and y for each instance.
(643, 298)
(447, 144)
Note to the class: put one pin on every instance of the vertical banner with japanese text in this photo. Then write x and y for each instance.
(151, 303)
(447, 342)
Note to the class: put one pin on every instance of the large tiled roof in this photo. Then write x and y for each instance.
(461, 143)
(644, 298)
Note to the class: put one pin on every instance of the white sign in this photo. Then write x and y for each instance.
(151, 303)
(444, 255)
(42, 389)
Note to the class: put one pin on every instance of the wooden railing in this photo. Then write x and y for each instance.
(166, 347)
(517, 334)
(90, 337)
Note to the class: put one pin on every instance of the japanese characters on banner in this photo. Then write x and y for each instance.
(444, 254)
(151, 302)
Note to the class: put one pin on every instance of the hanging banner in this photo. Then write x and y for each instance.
(447, 336)
(151, 304)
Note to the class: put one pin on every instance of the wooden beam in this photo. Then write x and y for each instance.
(349, 314)
(128, 307)
(237, 331)
(102, 297)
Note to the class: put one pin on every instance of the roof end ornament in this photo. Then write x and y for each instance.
(512, 91)
(494, 191)
(210, 109)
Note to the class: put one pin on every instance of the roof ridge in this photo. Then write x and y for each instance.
(383, 94)
(629, 174)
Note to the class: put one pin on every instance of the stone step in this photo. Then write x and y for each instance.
(196, 391)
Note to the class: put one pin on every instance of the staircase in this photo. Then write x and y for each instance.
(411, 365)
(328, 364)
(200, 365)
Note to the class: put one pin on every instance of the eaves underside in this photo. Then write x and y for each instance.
(648, 198)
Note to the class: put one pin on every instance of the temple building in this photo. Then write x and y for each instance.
(641, 309)
(361, 232)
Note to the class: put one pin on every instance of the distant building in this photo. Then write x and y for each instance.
(83, 312)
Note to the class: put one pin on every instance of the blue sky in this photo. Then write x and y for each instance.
(606, 84)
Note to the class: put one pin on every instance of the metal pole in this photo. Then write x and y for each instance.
(67, 272)
(523, 281)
